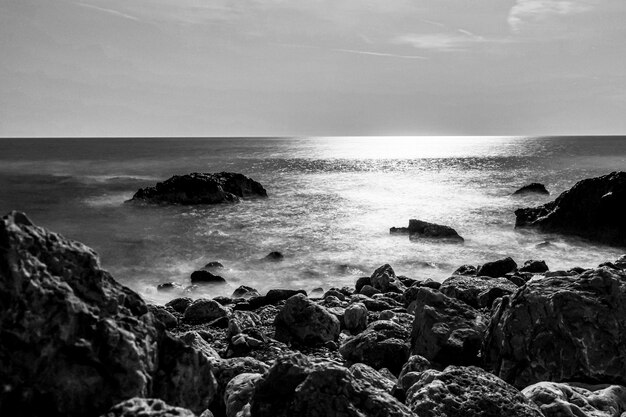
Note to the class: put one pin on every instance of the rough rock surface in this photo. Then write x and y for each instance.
(478, 292)
(238, 392)
(305, 322)
(593, 208)
(556, 400)
(147, 407)
(535, 267)
(355, 317)
(422, 229)
(384, 279)
(297, 386)
(568, 328)
(534, 188)
(467, 391)
(204, 311)
(201, 188)
(498, 268)
(446, 331)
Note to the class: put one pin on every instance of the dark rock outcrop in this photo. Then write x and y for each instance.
(274, 257)
(535, 267)
(201, 188)
(593, 208)
(355, 317)
(446, 331)
(467, 391)
(305, 322)
(568, 328)
(147, 407)
(534, 188)
(466, 270)
(384, 279)
(206, 277)
(478, 292)
(498, 268)
(243, 291)
(204, 311)
(421, 229)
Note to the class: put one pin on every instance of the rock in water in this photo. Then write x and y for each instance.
(422, 229)
(72, 340)
(534, 188)
(467, 391)
(305, 322)
(203, 276)
(594, 208)
(201, 188)
(584, 316)
(556, 400)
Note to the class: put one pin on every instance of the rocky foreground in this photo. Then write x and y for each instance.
(493, 340)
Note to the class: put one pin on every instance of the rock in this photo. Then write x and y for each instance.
(73, 341)
(180, 304)
(274, 257)
(278, 295)
(361, 282)
(384, 279)
(478, 291)
(201, 188)
(206, 277)
(147, 407)
(584, 315)
(555, 400)
(296, 386)
(498, 268)
(466, 270)
(214, 265)
(534, 188)
(227, 369)
(169, 286)
(305, 322)
(204, 311)
(369, 291)
(196, 341)
(446, 331)
(593, 209)
(238, 392)
(536, 267)
(333, 292)
(414, 365)
(372, 376)
(244, 291)
(384, 344)
(165, 317)
(421, 229)
(516, 279)
(355, 317)
(467, 391)
(620, 263)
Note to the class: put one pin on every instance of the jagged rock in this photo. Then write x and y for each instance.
(422, 229)
(274, 257)
(196, 341)
(384, 279)
(467, 391)
(536, 267)
(147, 407)
(369, 291)
(556, 400)
(305, 322)
(244, 291)
(227, 369)
(498, 268)
(180, 304)
(620, 263)
(415, 365)
(296, 386)
(466, 270)
(206, 277)
(584, 316)
(204, 311)
(446, 331)
(201, 188)
(239, 391)
(384, 344)
(534, 188)
(361, 282)
(372, 376)
(478, 291)
(593, 208)
(355, 317)
(165, 317)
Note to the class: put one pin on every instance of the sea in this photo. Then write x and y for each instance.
(331, 203)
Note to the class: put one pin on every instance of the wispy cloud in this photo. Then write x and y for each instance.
(535, 11)
(454, 41)
(353, 51)
(109, 11)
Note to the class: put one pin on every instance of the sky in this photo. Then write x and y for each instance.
(312, 67)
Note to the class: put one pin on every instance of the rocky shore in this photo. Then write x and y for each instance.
(497, 339)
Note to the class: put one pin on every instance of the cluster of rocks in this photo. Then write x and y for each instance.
(492, 340)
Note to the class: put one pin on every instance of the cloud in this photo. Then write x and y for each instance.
(535, 11)
(109, 11)
(354, 51)
(455, 41)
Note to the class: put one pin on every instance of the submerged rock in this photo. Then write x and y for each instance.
(534, 188)
(274, 257)
(201, 188)
(593, 208)
(584, 316)
(422, 229)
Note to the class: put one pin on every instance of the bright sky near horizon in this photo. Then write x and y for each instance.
(312, 67)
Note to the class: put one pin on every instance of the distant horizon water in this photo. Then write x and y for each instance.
(331, 203)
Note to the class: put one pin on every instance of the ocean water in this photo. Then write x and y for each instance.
(331, 204)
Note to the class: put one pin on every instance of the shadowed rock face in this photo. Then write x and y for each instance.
(534, 188)
(305, 322)
(562, 328)
(201, 188)
(594, 208)
(147, 407)
(421, 229)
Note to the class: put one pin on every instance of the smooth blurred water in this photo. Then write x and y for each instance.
(331, 203)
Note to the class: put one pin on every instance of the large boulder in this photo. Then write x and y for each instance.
(384, 344)
(593, 208)
(561, 328)
(355, 317)
(498, 268)
(297, 386)
(557, 399)
(303, 321)
(147, 407)
(238, 392)
(203, 311)
(446, 331)
(421, 229)
(478, 292)
(467, 391)
(384, 279)
(201, 188)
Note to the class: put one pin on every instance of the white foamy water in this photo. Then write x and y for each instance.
(331, 204)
